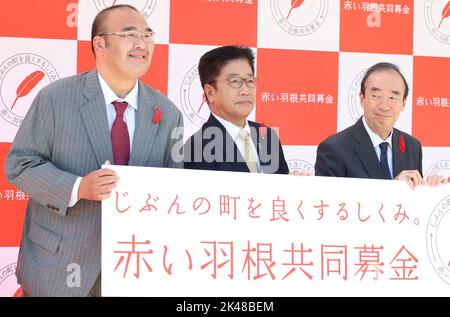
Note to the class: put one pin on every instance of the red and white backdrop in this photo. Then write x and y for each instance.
(311, 56)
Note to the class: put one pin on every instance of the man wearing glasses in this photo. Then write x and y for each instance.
(372, 147)
(228, 141)
(74, 126)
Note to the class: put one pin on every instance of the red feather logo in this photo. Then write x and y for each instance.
(294, 4)
(203, 102)
(18, 293)
(445, 13)
(27, 85)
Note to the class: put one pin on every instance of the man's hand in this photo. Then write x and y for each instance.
(411, 177)
(436, 180)
(98, 184)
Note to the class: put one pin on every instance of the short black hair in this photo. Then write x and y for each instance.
(98, 26)
(212, 62)
(383, 66)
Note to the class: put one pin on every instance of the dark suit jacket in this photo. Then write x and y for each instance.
(350, 153)
(212, 148)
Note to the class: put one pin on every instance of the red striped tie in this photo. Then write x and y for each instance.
(120, 138)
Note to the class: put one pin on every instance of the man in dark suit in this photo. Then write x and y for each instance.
(74, 126)
(372, 147)
(228, 141)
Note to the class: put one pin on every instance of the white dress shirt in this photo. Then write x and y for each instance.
(376, 140)
(129, 117)
(233, 130)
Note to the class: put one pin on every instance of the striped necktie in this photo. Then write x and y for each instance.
(248, 153)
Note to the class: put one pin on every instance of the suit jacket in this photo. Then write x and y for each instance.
(214, 139)
(64, 135)
(350, 153)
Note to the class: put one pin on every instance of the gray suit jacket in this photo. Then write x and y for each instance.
(64, 135)
(350, 153)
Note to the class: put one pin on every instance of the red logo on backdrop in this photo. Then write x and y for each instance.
(18, 293)
(440, 168)
(437, 18)
(146, 7)
(202, 104)
(193, 100)
(354, 104)
(28, 84)
(445, 14)
(299, 17)
(300, 167)
(5, 273)
(294, 4)
(307, 99)
(438, 235)
(21, 78)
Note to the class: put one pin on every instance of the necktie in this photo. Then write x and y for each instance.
(383, 161)
(120, 138)
(248, 153)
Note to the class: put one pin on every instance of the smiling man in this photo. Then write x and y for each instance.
(372, 147)
(74, 126)
(228, 141)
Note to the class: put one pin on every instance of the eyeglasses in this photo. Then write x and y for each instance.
(393, 99)
(134, 36)
(237, 82)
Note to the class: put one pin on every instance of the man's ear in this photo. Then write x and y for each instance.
(209, 92)
(361, 97)
(404, 104)
(99, 44)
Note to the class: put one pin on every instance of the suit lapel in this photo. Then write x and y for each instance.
(263, 143)
(397, 157)
(95, 118)
(254, 133)
(212, 122)
(238, 162)
(363, 147)
(145, 131)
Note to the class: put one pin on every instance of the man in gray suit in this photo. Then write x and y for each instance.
(73, 127)
(372, 147)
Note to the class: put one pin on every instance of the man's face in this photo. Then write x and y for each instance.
(383, 100)
(232, 104)
(125, 58)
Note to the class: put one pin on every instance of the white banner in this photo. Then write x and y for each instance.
(171, 232)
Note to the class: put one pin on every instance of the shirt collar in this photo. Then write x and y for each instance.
(375, 138)
(110, 96)
(231, 128)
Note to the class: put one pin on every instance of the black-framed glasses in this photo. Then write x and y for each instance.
(237, 82)
(134, 36)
